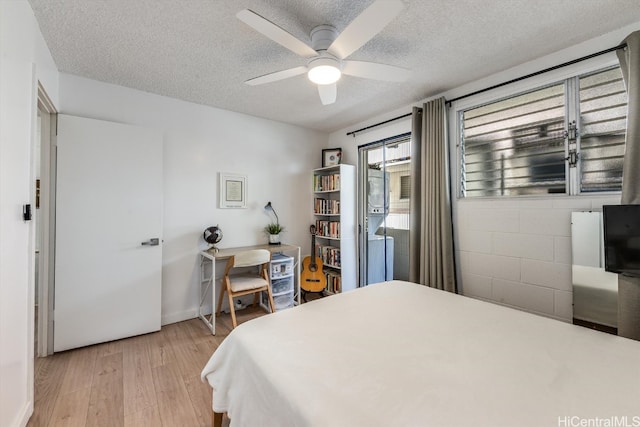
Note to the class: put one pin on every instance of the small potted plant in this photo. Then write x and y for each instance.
(273, 230)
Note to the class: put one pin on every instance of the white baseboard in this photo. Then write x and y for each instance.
(27, 412)
(178, 316)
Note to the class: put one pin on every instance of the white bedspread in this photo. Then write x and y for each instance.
(400, 354)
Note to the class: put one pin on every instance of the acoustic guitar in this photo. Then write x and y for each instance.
(312, 278)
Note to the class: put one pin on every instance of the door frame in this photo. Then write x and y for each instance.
(46, 264)
(363, 247)
(363, 197)
(363, 176)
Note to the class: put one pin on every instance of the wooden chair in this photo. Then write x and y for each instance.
(247, 282)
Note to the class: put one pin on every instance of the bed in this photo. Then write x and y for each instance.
(401, 354)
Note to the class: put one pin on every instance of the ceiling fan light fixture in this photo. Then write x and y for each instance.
(324, 71)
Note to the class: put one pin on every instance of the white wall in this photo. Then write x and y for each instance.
(199, 143)
(25, 59)
(513, 251)
(350, 143)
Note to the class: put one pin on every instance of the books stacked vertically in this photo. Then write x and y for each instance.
(328, 228)
(326, 207)
(326, 182)
(330, 255)
(334, 282)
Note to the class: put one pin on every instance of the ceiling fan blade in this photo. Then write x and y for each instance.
(278, 75)
(328, 93)
(365, 26)
(373, 70)
(275, 33)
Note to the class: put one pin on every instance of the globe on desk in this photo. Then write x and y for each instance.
(212, 235)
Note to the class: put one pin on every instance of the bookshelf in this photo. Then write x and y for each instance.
(334, 210)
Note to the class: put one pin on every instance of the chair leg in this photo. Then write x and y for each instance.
(232, 310)
(222, 291)
(255, 299)
(216, 419)
(271, 303)
(265, 275)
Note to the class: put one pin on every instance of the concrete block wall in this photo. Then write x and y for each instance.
(517, 251)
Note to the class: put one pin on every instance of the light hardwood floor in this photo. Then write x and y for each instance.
(149, 380)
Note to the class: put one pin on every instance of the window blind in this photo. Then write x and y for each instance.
(515, 146)
(405, 187)
(603, 117)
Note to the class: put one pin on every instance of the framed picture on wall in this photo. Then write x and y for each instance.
(331, 157)
(233, 190)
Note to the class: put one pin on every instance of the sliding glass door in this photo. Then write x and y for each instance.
(384, 195)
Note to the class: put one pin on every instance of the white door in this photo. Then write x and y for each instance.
(108, 208)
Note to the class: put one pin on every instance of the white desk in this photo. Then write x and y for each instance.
(208, 260)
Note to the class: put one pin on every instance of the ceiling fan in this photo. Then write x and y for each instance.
(326, 56)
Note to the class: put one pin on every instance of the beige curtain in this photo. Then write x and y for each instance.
(629, 288)
(430, 234)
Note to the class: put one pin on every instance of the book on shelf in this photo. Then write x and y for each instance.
(326, 182)
(330, 255)
(334, 282)
(326, 228)
(326, 207)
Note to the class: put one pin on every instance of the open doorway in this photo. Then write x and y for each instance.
(384, 194)
(44, 161)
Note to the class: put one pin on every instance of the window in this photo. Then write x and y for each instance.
(405, 187)
(603, 113)
(565, 138)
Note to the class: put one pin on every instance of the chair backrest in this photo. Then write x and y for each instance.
(251, 257)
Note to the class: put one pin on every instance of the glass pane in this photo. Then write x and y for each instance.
(386, 186)
(515, 146)
(397, 156)
(603, 117)
(405, 186)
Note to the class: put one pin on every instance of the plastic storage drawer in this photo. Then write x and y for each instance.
(281, 266)
(283, 301)
(279, 286)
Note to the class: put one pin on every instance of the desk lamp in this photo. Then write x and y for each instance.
(268, 207)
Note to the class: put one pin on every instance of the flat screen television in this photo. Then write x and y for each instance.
(622, 239)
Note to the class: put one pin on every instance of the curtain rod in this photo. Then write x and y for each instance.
(546, 70)
(402, 136)
(353, 132)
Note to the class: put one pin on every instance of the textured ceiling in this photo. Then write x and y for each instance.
(198, 51)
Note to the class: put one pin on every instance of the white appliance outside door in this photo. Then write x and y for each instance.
(108, 232)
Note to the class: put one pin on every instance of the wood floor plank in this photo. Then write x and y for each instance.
(160, 350)
(205, 345)
(149, 416)
(37, 365)
(149, 380)
(71, 408)
(223, 322)
(200, 396)
(47, 385)
(173, 400)
(79, 374)
(111, 347)
(139, 392)
(106, 404)
(190, 356)
(200, 334)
